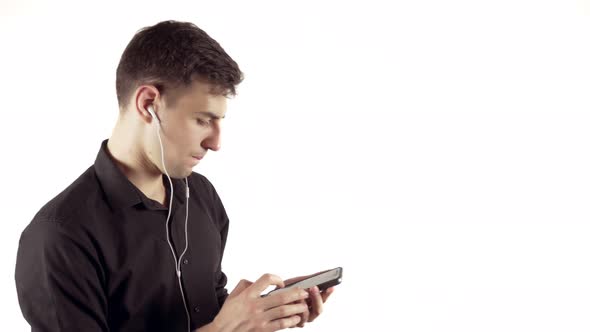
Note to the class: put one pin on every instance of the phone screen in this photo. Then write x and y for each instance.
(322, 278)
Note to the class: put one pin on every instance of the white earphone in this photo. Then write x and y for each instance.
(150, 109)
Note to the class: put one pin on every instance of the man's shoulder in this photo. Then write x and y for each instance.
(200, 181)
(198, 176)
(75, 199)
(201, 185)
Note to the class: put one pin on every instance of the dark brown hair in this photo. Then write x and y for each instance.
(172, 54)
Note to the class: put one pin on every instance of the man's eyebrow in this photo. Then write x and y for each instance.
(211, 115)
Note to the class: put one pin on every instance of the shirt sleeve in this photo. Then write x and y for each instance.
(222, 222)
(59, 280)
(220, 289)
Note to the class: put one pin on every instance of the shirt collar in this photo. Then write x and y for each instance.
(122, 193)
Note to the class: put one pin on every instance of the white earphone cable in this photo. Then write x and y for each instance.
(176, 262)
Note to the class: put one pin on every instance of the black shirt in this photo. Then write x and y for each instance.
(96, 258)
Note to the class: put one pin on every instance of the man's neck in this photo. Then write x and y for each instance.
(128, 159)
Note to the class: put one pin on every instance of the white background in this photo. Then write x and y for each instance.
(437, 150)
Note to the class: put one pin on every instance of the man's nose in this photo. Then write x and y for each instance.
(213, 141)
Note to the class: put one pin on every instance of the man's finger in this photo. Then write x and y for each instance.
(304, 315)
(287, 296)
(326, 294)
(263, 282)
(317, 304)
(286, 310)
(283, 323)
(243, 284)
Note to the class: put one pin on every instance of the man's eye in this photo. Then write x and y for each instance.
(203, 122)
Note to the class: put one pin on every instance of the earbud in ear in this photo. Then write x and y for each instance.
(153, 114)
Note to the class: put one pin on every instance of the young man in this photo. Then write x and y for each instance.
(136, 242)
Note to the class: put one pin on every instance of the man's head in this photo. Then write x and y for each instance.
(186, 77)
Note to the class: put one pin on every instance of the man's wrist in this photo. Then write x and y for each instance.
(211, 327)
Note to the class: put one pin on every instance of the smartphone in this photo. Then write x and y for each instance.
(323, 280)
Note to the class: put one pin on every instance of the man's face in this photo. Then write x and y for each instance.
(190, 126)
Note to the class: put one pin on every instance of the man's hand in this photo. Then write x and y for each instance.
(315, 302)
(245, 310)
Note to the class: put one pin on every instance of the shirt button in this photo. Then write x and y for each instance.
(197, 309)
(185, 261)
